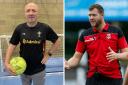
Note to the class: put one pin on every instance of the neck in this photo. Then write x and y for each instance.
(31, 24)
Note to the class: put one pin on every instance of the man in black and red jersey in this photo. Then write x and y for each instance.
(102, 43)
(32, 36)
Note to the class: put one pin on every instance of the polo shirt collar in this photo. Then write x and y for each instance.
(104, 28)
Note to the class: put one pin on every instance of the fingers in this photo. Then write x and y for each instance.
(110, 49)
(111, 56)
(10, 70)
(44, 60)
(67, 66)
(109, 53)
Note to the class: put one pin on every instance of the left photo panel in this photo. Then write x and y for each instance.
(31, 42)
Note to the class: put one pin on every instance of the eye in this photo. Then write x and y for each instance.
(94, 15)
(28, 10)
(33, 10)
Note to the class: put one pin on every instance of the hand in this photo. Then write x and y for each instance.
(111, 56)
(67, 66)
(9, 68)
(45, 59)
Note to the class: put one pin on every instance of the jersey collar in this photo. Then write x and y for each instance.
(35, 27)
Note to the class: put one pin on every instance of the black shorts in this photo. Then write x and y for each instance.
(99, 79)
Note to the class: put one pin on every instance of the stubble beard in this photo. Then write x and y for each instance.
(96, 24)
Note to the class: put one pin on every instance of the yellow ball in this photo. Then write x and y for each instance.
(18, 64)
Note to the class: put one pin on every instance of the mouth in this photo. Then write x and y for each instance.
(31, 16)
(92, 21)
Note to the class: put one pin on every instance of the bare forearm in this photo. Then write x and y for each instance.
(9, 52)
(123, 56)
(54, 46)
(74, 61)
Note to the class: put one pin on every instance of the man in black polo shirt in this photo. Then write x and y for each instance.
(32, 37)
(102, 43)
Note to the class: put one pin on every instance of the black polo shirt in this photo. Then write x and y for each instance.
(96, 44)
(31, 41)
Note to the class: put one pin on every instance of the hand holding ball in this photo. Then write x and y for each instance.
(18, 64)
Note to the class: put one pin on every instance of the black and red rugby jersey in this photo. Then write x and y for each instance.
(96, 44)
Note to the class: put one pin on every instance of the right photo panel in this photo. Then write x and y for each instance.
(96, 36)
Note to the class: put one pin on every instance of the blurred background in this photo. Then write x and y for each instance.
(12, 14)
(76, 20)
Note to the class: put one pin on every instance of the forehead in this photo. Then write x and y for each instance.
(31, 6)
(93, 11)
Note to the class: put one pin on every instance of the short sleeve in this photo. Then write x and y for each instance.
(15, 37)
(51, 35)
(122, 43)
(80, 46)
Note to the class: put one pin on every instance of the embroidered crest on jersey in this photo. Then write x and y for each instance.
(108, 36)
(39, 34)
(23, 33)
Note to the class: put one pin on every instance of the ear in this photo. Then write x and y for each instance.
(102, 14)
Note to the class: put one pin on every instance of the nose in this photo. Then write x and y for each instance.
(30, 12)
(91, 17)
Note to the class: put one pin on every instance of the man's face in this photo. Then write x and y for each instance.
(31, 12)
(95, 18)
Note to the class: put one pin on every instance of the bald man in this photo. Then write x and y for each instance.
(32, 36)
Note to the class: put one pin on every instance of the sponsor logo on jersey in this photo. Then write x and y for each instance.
(31, 41)
(88, 38)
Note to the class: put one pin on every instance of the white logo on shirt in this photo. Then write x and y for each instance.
(39, 34)
(23, 33)
(90, 39)
(108, 36)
